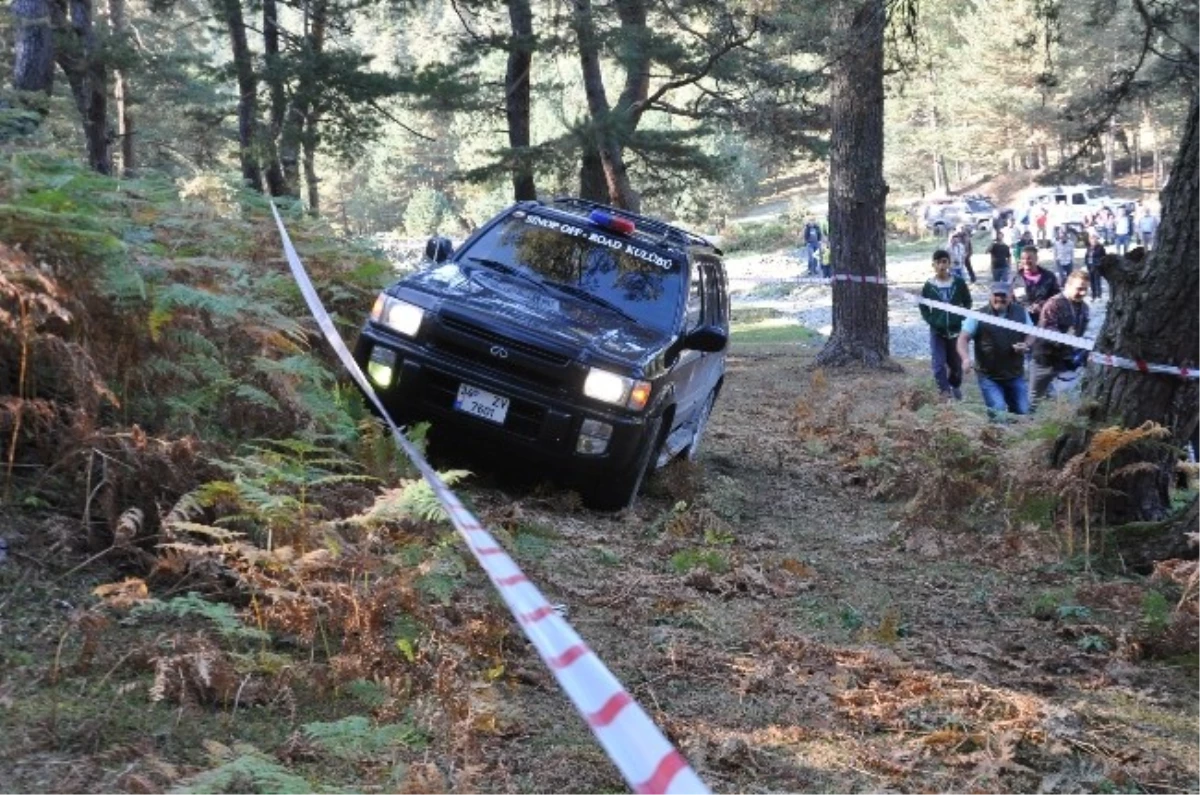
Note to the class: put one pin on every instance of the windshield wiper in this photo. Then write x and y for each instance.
(592, 297)
(511, 270)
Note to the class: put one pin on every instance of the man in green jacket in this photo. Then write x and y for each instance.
(944, 326)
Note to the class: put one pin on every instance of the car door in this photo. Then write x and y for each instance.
(688, 370)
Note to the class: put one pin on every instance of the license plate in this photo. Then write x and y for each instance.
(481, 403)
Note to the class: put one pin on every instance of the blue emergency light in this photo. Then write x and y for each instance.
(612, 222)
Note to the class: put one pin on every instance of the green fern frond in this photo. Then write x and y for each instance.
(256, 396)
(221, 614)
(248, 773)
(354, 737)
(419, 501)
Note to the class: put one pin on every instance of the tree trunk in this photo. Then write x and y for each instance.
(299, 120)
(1151, 317)
(856, 187)
(87, 75)
(1110, 151)
(517, 97)
(310, 168)
(120, 29)
(605, 125)
(231, 12)
(1140, 545)
(592, 185)
(33, 59)
(276, 184)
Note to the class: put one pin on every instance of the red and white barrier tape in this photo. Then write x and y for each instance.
(1084, 343)
(646, 759)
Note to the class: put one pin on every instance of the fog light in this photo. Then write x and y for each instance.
(593, 437)
(381, 366)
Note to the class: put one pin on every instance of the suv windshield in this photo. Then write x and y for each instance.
(635, 279)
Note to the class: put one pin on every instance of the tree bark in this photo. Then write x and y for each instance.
(87, 75)
(120, 29)
(605, 125)
(517, 100)
(235, 23)
(33, 60)
(300, 126)
(276, 184)
(1110, 151)
(1151, 317)
(856, 187)
(310, 167)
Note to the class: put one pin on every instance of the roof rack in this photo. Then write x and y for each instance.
(642, 222)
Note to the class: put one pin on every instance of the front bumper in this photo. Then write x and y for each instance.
(542, 422)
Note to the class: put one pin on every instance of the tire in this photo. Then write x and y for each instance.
(621, 489)
(692, 451)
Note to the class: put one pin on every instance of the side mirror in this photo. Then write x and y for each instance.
(706, 339)
(438, 249)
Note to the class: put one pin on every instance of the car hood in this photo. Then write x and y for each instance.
(555, 319)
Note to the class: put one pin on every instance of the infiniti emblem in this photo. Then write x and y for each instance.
(498, 352)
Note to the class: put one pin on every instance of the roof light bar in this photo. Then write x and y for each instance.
(612, 222)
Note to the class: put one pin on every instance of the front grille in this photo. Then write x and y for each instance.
(492, 338)
(524, 419)
(471, 343)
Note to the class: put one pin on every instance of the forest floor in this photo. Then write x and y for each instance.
(828, 601)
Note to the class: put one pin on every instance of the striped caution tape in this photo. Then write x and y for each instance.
(1084, 343)
(646, 759)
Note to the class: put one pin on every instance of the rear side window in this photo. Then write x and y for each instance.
(1078, 198)
(695, 302)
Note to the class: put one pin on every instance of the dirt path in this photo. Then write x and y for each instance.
(789, 635)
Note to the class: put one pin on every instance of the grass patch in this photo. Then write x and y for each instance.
(774, 330)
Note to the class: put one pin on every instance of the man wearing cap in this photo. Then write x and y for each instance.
(944, 325)
(999, 354)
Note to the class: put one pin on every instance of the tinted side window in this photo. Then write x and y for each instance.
(714, 294)
(695, 303)
(1078, 198)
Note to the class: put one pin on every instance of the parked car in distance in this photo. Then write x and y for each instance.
(942, 215)
(585, 337)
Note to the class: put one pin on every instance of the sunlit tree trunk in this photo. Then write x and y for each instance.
(120, 30)
(606, 126)
(856, 187)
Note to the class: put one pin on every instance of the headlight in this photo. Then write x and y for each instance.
(400, 316)
(616, 389)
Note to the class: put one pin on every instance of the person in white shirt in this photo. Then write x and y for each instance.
(1064, 254)
(1147, 226)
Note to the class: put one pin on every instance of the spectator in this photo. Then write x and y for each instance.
(1147, 227)
(1023, 242)
(999, 354)
(958, 255)
(1001, 256)
(1041, 218)
(1091, 262)
(997, 222)
(1064, 255)
(812, 241)
(944, 326)
(1108, 224)
(824, 256)
(1034, 284)
(965, 231)
(1122, 230)
(1011, 233)
(1066, 313)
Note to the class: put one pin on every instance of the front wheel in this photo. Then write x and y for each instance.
(620, 489)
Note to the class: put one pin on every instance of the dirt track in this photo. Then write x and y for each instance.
(791, 635)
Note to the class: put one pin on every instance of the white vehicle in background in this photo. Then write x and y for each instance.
(1066, 205)
(942, 215)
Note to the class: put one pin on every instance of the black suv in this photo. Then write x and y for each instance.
(590, 337)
